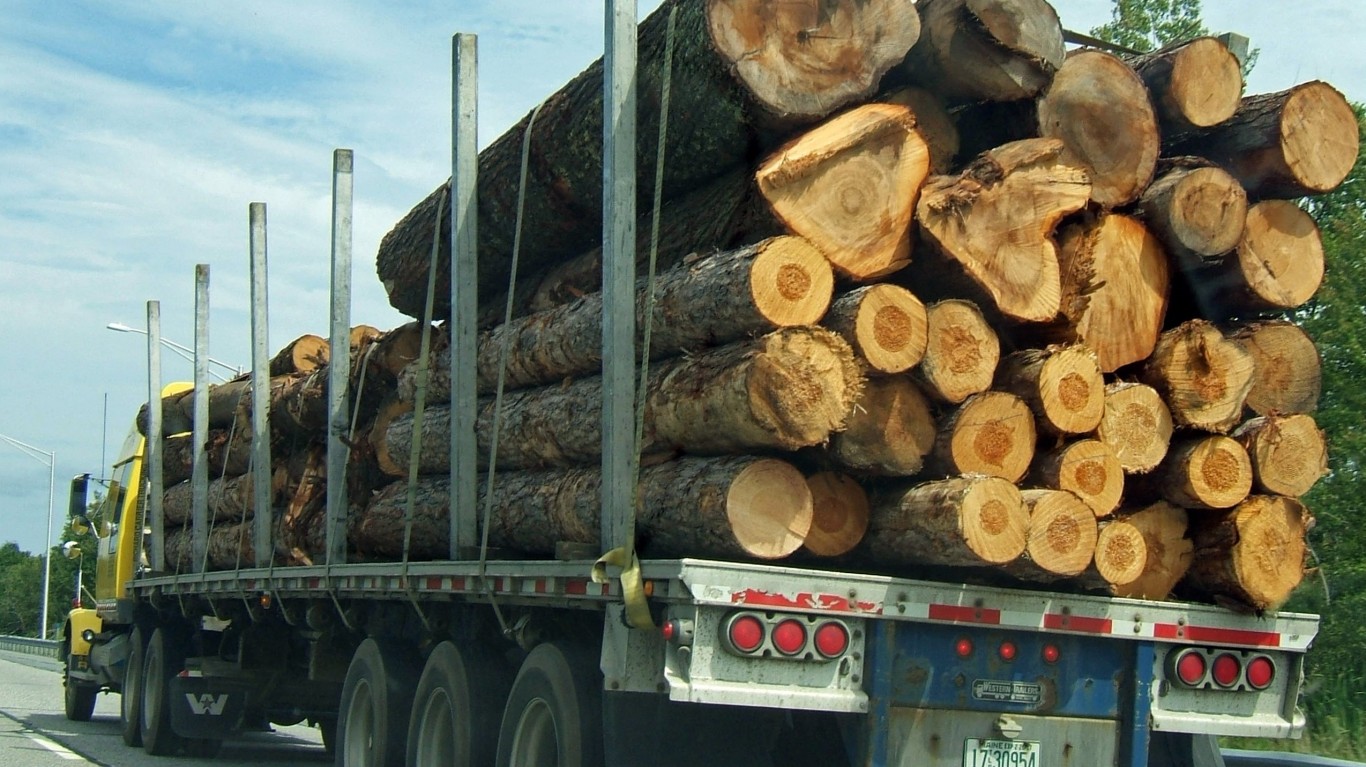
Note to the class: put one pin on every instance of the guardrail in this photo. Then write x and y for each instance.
(30, 646)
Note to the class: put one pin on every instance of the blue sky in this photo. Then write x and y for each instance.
(133, 136)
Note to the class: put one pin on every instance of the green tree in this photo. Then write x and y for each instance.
(21, 576)
(1145, 25)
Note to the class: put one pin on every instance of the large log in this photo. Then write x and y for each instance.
(959, 522)
(228, 547)
(850, 186)
(1277, 265)
(995, 222)
(885, 324)
(1297, 142)
(302, 355)
(1195, 83)
(787, 390)
(1203, 376)
(890, 431)
(992, 433)
(1288, 375)
(1212, 472)
(962, 354)
(1063, 387)
(723, 507)
(752, 71)
(177, 456)
(933, 122)
(997, 50)
(1169, 551)
(230, 499)
(1136, 425)
(1288, 453)
(1062, 537)
(1197, 212)
(1250, 556)
(839, 514)
(1088, 469)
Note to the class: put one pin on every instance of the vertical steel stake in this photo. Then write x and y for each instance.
(156, 552)
(339, 364)
(199, 488)
(464, 291)
(260, 389)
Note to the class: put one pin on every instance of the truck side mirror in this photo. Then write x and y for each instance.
(80, 491)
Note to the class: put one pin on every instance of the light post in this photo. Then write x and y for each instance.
(180, 349)
(51, 461)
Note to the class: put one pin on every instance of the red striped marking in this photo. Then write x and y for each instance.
(1079, 623)
(576, 586)
(541, 586)
(433, 583)
(802, 601)
(458, 583)
(1221, 636)
(314, 583)
(965, 614)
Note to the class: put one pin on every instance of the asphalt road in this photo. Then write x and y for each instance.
(35, 733)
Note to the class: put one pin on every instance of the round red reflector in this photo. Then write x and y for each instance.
(1190, 668)
(1260, 672)
(746, 633)
(1051, 653)
(832, 639)
(1008, 651)
(963, 647)
(789, 637)
(669, 630)
(1226, 670)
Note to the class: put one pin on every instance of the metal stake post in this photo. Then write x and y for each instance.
(339, 365)
(260, 388)
(156, 553)
(464, 291)
(199, 488)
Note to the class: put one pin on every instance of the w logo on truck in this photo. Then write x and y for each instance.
(207, 703)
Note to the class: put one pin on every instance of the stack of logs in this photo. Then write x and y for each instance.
(981, 304)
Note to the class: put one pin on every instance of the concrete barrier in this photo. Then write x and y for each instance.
(47, 648)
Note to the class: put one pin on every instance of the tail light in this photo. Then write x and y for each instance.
(1227, 669)
(832, 639)
(789, 636)
(795, 637)
(1231, 670)
(1261, 672)
(963, 647)
(746, 633)
(1051, 653)
(1191, 667)
(1008, 651)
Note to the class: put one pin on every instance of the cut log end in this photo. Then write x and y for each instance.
(934, 123)
(1319, 136)
(962, 353)
(839, 514)
(802, 385)
(1136, 425)
(769, 508)
(886, 324)
(1169, 552)
(991, 433)
(1212, 472)
(1203, 376)
(1088, 469)
(1203, 86)
(1199, 213)
(1001, 50)
(1288, 454)
(994, 520)
(790, 282)
(1289, 372)
(1279, 260)
(1062, 532)
(1063, 386)
(1121, 552)
(890, 431)
(1253, 554)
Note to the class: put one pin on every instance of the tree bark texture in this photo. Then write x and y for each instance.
(177, 457)
(890, 431)
(992, 433)
(840, 514)
(1063, 387)
(962, 352)
(1288, 375)
(230, 500)
(1136, 425)
(964, 521)
(1250, 556)
(1203, 376)
(1289, 453)
(885, 324)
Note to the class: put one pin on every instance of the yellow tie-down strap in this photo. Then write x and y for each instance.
(632, 586)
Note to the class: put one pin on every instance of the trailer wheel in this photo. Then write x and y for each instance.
(130, 698)
(456, 709)
(376, 700)
(554, 712)
(160, 663)
(80, 700)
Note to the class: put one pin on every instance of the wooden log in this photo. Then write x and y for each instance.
(1198, 213)
(933, 122)
(1277, 265)
(228, 547)
(173, 419)
(994, 50)
(1121, 554)
(1169, 551)
(177, 410)
(302, 355)
(362, 334)
(1136, 425)
(303, 530)
(1062, 386)
(300, 405)
(177, 454)
(964, 217)
(1062, 537)
(890, 431)
(1297, 142)
(1288, 453)
(1203, 377)
(721, 507)
(1101, 111)
(1194, 84)
(786, 390)
(1211, 472)
(964, 521)
(885, 324)
(752, 70)
(1288, 371)
(1115, 283)
(840, 514)
(1250, 556)
(850, 186)
(1088, 469)
(230, 500)
(961, 355)
(992, 433)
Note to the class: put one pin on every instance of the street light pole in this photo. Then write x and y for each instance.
(34, 452)
(184, 351)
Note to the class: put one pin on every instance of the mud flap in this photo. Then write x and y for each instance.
(208, 708)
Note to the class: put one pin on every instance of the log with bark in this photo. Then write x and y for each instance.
(1297, 142)
(1197, 211)
(1169, 551)
(230, 499)
(1194, 83)
(302, 355)
(1203, 376)
(1289, 454)
(1062, 537)
(995, 222)
(996, 50)
(1062, 385)
(961, 355)
(177, 456)
(992, 433)
(840, 514)
(1251, 556)
(850, 186)
(885, 324)
(1212, 472)
(1088, 469)
(786, 390)
(1136, 425)
(1288, 371)
(747, 72)
(1121, 553)
(890, 431)
(964, 521)
(228, 547)
(1277, 265)
(727, 507)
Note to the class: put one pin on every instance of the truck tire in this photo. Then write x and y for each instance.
(160, 665)
(376, 700)
(554, 712)
(130, 698)
(80, 699)
(456, 709)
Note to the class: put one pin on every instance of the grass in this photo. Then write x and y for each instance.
(1335, 705)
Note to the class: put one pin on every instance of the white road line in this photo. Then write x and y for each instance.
(62, 751)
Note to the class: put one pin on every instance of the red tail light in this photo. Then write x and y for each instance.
(1260, 672)
(963, 647)
(1190, 668)
(746, 633)
(832, 639)
(1051, 653)
(1008, 651)
(1226, 670)
(789, 636)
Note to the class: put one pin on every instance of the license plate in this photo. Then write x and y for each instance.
(1000, 753)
